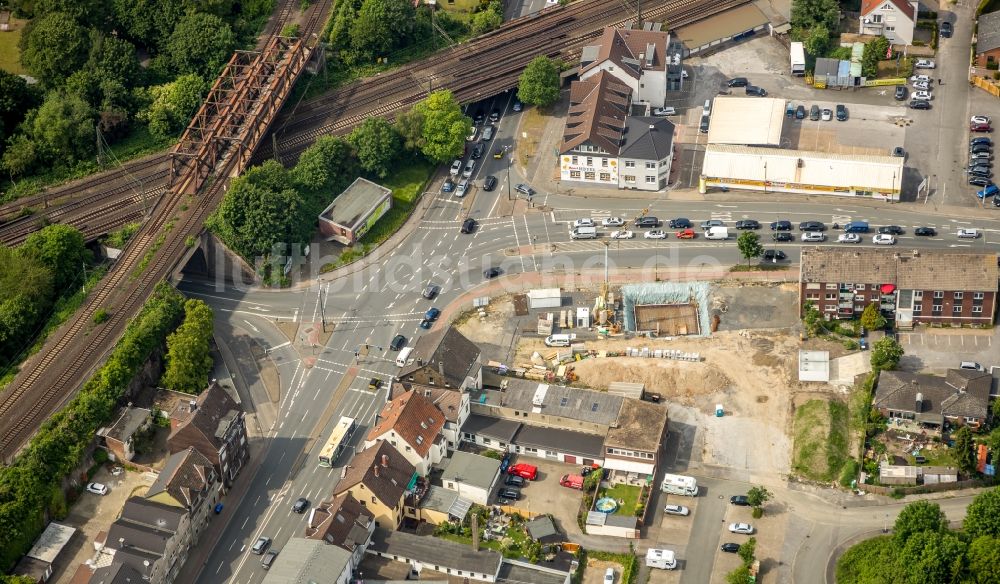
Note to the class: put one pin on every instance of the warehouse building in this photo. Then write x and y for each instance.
(355, 211)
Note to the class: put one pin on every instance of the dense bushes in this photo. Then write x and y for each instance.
(188, 360)
(26, 487)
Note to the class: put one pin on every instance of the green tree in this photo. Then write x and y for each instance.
(808, 13)
(489, 19)
(16, 98)
(410, 127)
(983, 556)
(112, 58)
(62, 249)
(25, 293)
(62, 128)
(444, 126)
(872, 318)
(201, 44)
(381, 26)
(53, 47)
(993, 441)
(748, 550)
(982, 516)
(918, 517)
(539, 83)
(377, 145)
(930, 557)
(148, 22)
(20, 155)
(757, 496)
(816, 40)
(750, 246)
(886, 353)
(189, 362)
(171, 105)
(86, 12)
(869, 562)
(965, 450)
(740, 575)
(875, 51)
(339, 36)
(323, 170)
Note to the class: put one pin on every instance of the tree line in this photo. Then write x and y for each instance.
(85, 55)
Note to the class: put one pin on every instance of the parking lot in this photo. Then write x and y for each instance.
(546, 495)
(935, 350)
(869, 130)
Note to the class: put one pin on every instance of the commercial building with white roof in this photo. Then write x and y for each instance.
(747, 121)
(794, 171)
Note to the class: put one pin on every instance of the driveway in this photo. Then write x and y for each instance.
(546, 495)
(936, 350)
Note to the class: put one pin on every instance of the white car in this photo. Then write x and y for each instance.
(924, 64)
(655, 234)
(622, 235)
(919, 78)
(744, 528)
(473, 134)
(456, 167)
(813, 236)
(97, 489)
(609, 576)
(676, 510)
(922, 86)
(979, 120)
(967, 233)
(613, 222)
(586, 222)
(884, 239)
(921, 96)
(664, 111)
(827, 115)
(848, 238)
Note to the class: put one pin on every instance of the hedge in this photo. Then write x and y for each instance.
(27, 485)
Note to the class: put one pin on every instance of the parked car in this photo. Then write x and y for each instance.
(514, 481)
(883, 239)
(979, 181)
(469, 225)
(770, 255)
(980, 162)
(814, 113)
(473, 134)
(518, 106)
(848, 238)
(740, 500)
(813, 236)
(922, 95)
(490, 183)
(756, 91)
(812, 226)
(981, 171)
(462, 188)
(268, 560)
(447, 186)
(841, 113)
(901, 93)
(655, 234)
(732, 548)
(302, 503)
(800, 112)
(748, 224)
(924, 64)
(612, 222)
(979, 119)
(921, 86)
(827, 115)
(477, 152)
(512, 493)
(981, 140)
(946, 30)
(705, 225)
(781, 225)
(782, 236)
(260, 546)
(989, 191)
(523, 469)
(685, 234)
(920, 79)
(609, 576)
(925, 231)
(676, 510)
(97, 489)
(920, 104)
(976, 127)
(738, 82)
(647, 221)
(625, 234)
(987, 156)
(456, 167)
(891, 229)
(744, 528)
(397, 343)
(899, 152)
(680, 223)
(664, 111)
(968, 233)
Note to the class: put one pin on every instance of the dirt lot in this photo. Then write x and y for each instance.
(594, 574)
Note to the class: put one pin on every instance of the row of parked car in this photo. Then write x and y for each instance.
(980, 168)
(816, 113)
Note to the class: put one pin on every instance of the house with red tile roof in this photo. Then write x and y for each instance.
(893, 19)
(412, 424)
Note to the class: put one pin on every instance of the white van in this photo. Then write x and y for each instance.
(583, 233)
(717, 233)
(403, 356)
(559, 340)
(661, 558)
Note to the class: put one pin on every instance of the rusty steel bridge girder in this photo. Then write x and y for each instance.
(237, 112)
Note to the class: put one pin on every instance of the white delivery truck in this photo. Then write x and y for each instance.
(798, 59)
(679, 485)
(717, 233)
(660, 558)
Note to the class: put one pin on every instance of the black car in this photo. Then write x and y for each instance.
(814, 113)
(925, 231)
(738, 82)
(920, 104)
(841, 113)
(647, 221)
(899, 152)
(490, 183)
(977, 148)
(800, 112)
(478, 118)
(812, 226)
(397, 342)
(740, 500)
(732, 548)
(983, 171)
(680, 223)
(477, 152)
(891, 229)
(996, 203)
(491, 273)
(300, 506)
(748, 224)
(901, 93)
(781, 226)
(946, 30)
(514, 481)
(469, 225)
(774, 255)
(509, 493)
(757, 91)
(782, 236)
(979, 181)
(985, 162)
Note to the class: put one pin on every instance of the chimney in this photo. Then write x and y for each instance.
(441, 367)
(385, 460)
(375, 470)
(920, 403)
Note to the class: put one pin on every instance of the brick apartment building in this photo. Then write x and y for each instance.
(910, 286)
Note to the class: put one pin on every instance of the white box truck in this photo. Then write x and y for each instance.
(660, 558)
(583, 233)
(798, 59)
(679, 485)
(717, 233)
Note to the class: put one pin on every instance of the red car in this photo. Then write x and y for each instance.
(526, 471)
(685, 234)
(980, 128)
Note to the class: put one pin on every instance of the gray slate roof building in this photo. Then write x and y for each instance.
(648, 138)
(443, 357)
(515, 572)
(962, 393)
(116, 573)
(543, 530)
(184, 477)
(988, 32)
(308, 561)
(471, 469)
(442, 500)
(355, 202)
(573, 403)
(340, 521)
(436, 552)
(585, 445)
(143, 530)
(495, 428)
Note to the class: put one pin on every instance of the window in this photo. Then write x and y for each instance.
(917, 308)
(650, 179)
(918, 294)
(936, 308)
(604, 162)
(590, 161)
(938, 294)
(605, 177)
(574, 174)
(593, 407)
(576, 160)
(629, 164)
(832, 286)
(877, 18)
(487, 441)
(956, 309)
(858, 286)
(977, 310)
(812, 296)
(629, 178)
(978, 295)
(890, 28)
(650, 165)
(563, 401)
(959, 295)
(589, 175)
(831, 296)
